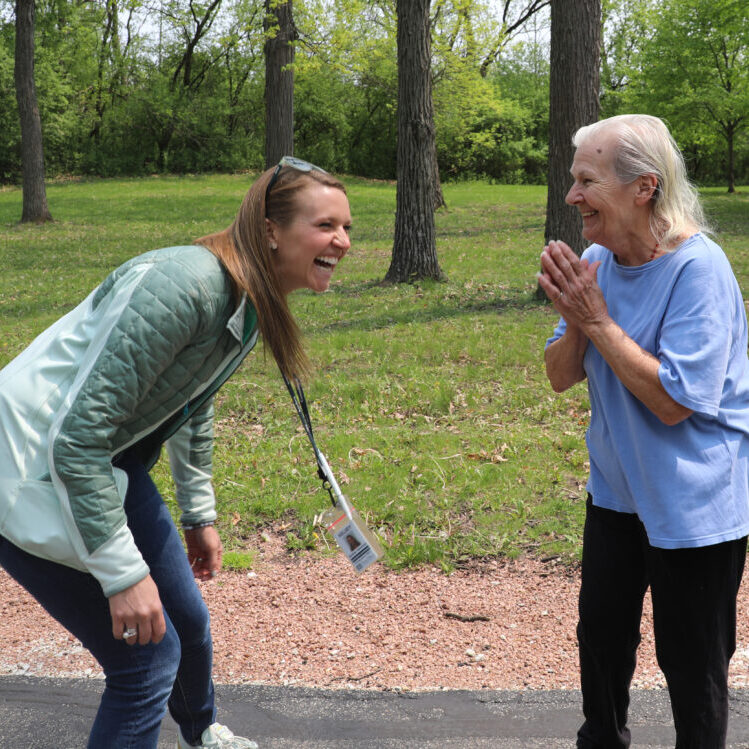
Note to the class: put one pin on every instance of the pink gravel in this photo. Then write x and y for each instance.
(312, 621)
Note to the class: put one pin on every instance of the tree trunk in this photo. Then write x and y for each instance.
(414, 246)
(32, 154)
(279, 81)
(573, 102)
(438, 199)
(731, 160)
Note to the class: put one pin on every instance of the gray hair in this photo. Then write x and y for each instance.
(645, 146)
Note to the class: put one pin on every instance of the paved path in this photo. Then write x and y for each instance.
(38, 713)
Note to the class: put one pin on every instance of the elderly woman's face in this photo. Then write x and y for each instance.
(605, 204)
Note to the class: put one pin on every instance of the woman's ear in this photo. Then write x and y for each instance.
(647, 186)
(270, 231)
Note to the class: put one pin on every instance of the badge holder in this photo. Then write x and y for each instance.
(342, 521)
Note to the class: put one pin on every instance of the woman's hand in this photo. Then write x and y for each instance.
(204, 551)
(138, 608)
(571, 285)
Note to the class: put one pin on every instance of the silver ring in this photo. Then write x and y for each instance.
(129, 632)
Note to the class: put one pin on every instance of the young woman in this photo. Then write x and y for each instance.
(84, 412)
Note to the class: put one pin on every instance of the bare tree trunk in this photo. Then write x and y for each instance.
(573, 102)
(414, 245)
(731, 159)
(279, 80)
(32, 153)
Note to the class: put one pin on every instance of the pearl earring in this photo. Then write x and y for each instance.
(273, 246)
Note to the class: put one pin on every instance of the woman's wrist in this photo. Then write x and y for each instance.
(195, 526)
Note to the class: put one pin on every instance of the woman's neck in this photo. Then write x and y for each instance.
(644, 249)
(638, 248)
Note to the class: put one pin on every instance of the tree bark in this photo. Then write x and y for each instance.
(32, 153)
(573, 102)
(731, 160)
(414, 246)
(279, 80)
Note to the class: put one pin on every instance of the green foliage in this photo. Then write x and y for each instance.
(481, 133)
(10, 135)
(305, 538)
(322, 113)
(493, 126)
(626, 27)
(122, 104)
(239, 560)
(58, 116)
(686, 61)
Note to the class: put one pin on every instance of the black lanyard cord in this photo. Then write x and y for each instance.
(300, 404)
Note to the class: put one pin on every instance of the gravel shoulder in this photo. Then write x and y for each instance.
(312, 621)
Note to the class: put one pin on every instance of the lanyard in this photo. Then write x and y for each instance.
(323, 469)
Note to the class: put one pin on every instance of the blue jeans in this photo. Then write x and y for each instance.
(141, 681)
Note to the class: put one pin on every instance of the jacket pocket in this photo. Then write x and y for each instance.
(35, 524)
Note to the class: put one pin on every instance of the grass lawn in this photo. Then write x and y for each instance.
(429, 401)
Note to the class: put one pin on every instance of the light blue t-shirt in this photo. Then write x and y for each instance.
(688, 483)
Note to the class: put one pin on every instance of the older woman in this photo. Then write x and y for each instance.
(84, 411)
(653, 317)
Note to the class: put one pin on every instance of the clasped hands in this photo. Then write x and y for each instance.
(570, 283)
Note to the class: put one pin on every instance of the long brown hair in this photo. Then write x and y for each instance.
(244, 250)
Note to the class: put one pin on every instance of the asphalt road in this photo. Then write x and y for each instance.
(40, 713)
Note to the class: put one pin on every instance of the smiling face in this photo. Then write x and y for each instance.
(609, 208)
(311, 245)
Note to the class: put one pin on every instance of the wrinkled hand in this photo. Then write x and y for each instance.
(571, 285)
(204, 551)
(138, 608)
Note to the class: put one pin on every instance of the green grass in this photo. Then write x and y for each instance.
(430, 401)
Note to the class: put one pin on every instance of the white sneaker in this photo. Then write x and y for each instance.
(217, 736)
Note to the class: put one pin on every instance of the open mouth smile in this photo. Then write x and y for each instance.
(328, 262)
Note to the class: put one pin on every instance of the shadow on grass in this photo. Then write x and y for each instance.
(454, 307)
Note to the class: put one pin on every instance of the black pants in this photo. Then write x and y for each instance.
(694, 617)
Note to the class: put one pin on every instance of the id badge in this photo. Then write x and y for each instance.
(355, 540)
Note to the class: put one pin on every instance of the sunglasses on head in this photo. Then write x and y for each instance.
(299, 164)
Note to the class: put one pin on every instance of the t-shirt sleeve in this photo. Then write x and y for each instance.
(697, 334)
(559, 331)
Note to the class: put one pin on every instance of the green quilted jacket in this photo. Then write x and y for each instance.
(134, 366)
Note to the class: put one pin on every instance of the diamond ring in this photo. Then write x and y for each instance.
(129, 632)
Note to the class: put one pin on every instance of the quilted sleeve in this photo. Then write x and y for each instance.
(148, 316)
(190, 452)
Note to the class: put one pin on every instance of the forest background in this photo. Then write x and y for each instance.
(138, 87)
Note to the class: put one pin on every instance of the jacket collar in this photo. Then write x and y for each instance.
(243, 322)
